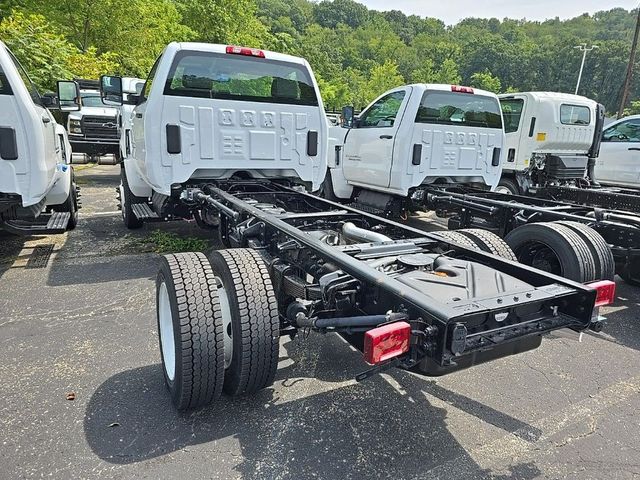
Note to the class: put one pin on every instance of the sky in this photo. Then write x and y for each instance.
(452, 11)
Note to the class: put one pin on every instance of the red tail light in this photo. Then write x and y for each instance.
(459, 89)
(251, 52)
(388, 341)
(605, 292)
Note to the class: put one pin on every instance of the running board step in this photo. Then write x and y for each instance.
(45, 224)
(143, 211)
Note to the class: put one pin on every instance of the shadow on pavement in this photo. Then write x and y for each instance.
(350, 431)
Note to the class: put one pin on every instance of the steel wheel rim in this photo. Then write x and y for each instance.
(503, 190)
(167, 339)
(225, 311)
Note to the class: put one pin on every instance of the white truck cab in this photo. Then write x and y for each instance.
(549, 137)
(93, 130)
(37, 190)
(417, 135)
(210, 112)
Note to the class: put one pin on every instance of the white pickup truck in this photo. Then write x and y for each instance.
(552, 139)
(37, 190)
(416, 135)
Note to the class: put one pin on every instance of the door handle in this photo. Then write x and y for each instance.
(138, 115)
(45, 119)
(637, 149)
(386, 137)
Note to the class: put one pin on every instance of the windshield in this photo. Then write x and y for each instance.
(91, 99)
(462, 109)
(238, 77)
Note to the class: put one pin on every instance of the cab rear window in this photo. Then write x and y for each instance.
(462, 109)
(237, 77)
(575, 115)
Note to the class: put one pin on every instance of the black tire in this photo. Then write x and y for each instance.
(553, 248)
(599, 248)
(70, 204)
(510, 185)
(459, 238)
(255, 323)
(489, 242)
(197, 329)
(127, 198)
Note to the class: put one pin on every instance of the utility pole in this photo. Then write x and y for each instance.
(584, 49)
(632, 61)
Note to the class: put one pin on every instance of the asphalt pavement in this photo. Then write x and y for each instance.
(77, 320)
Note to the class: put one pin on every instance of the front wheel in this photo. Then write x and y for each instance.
(508, 187)
(70, 204)
(127, 198)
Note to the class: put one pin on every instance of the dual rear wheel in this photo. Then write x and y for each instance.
(218, 325)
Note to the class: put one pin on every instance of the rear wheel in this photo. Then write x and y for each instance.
(489, 242)
(190, 326)
(508, 186)
(127, 198)
(252, 323)
(459, 238)
(553, 248)
(599, 248)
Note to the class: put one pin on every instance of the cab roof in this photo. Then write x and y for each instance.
(219, 48)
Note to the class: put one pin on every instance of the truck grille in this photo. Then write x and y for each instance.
(100, 127)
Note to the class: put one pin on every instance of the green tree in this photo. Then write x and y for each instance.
(382, 78)
(332, 13)
(224, 21)
(486, 81)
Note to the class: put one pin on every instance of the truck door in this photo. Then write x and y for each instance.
(512, 113)
(368, 148)
(619, 160)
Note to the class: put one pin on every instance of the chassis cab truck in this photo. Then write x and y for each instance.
(416, 135)
(551, 139)
(37, 188)
(234, 137)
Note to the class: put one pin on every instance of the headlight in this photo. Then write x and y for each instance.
(74, 126)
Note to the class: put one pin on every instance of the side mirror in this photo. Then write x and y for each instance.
(132, 99)
(50, 100)
(68, 96)
(111, 90)
(348, 117)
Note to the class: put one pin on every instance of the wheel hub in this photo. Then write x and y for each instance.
(227, 328)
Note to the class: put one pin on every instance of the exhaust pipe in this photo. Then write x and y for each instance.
(350, 231)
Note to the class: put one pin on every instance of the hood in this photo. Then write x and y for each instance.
(98, 111)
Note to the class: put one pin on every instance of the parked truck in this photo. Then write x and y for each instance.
(239, 134)
(93, 130)
(38, 194)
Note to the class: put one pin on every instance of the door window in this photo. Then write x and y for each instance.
(147, 85)
(628, 131)
(5, 89)
(33, 91)
(511, 113)
(383, 112)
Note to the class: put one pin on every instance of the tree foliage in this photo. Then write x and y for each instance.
(356, 53)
